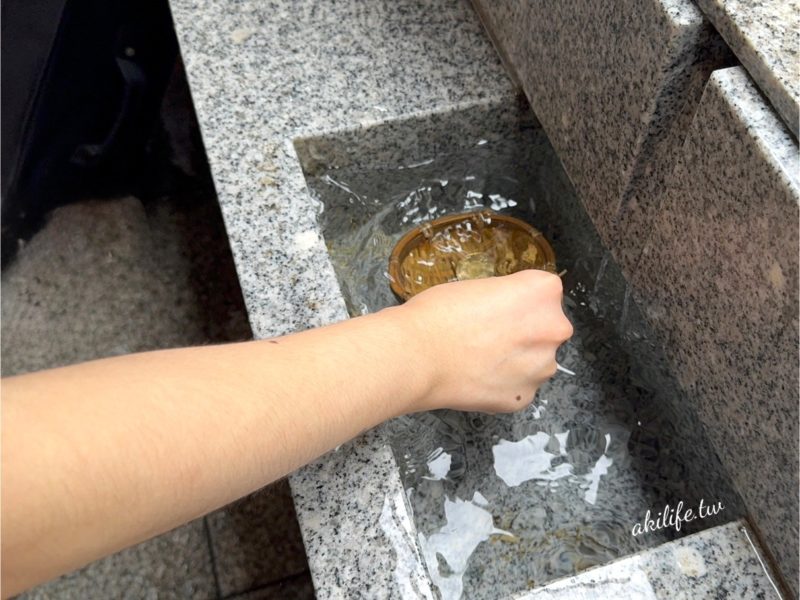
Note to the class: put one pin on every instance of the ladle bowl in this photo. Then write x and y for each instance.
(466, 246)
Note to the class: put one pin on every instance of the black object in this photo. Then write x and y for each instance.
(82, 84)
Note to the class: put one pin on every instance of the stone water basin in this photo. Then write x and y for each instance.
(502, 504)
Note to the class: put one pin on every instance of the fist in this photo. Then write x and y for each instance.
(487, 344)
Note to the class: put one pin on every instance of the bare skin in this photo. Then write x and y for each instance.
(102, 455)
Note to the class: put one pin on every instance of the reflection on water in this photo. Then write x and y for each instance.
(599, 469)
(438, 465)
(527, 459)
(509, 502)
(447, 550)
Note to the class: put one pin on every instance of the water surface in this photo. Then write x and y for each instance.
(511, 502)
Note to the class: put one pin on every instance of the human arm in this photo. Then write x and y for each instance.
(102, 455)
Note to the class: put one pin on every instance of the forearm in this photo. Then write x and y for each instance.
(102, 455)
(99, 456)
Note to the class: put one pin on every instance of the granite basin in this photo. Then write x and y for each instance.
(596, 468)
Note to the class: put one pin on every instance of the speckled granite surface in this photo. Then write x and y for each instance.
(615, 111)
(261, 75)
(266, 74)
(765, 35)
(619, 413)
(717, 563)
(719, 278)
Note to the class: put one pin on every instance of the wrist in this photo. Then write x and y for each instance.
(414, 358)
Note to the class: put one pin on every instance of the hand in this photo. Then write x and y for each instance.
(487, 344)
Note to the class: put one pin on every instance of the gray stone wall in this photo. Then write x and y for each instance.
(692, 181)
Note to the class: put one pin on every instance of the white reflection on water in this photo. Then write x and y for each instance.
(599, 469)
(468, 524)
(528, 459)
(439, 463)
(540, 456)
(518, 462)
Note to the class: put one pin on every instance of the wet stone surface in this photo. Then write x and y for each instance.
(507, 503)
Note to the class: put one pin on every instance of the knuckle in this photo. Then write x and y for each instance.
(554, 282)
(565, 329)
(541, 277)
(545, 372)
(545, 279)
(552, 368)
(556, 329)
(528, 277)
(532, 273)
(556, 279)
(541, 285)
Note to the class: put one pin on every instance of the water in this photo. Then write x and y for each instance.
(475, 245)
(511, 502)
